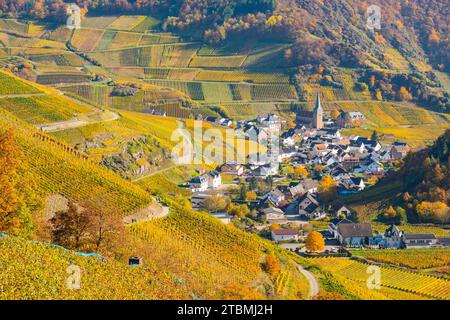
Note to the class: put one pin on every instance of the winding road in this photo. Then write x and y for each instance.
(313, 283)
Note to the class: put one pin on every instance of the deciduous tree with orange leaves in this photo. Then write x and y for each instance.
(300, 172)
(327, 188)
(315, 242)
(272, 265)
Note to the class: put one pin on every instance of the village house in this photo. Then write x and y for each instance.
(276, 196)
(351, 185)
(289, 138)
(287, 153)
(214, 179)
(399, 151)
(266, 170)
(372, 167)
(211, 119)
(393, 237)
(270, 121)
(224, 122)
(211, 179)
(284, 235)
(272, 213)
(418, 240)
(158, 113)
(232, 168)
(198, 200)
(340, 210)
(354, 234)
(222, 216)
(307, 185)
(350, 119)
(333, 226)
(198, 184)
(444, 241)
(256, 134)
(309, 207)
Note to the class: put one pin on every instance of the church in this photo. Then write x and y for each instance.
(311, 119)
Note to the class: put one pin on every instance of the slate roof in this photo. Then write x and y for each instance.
(285, 232)
(445, 241)
(310, 197)
(419, 236)
(338, 221)
(349, 230)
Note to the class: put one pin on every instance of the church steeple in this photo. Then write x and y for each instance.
(318, 105)
(318, 114)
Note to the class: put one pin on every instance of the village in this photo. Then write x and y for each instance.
(281, 194)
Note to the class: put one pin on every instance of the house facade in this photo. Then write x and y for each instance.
(214, 179)
(198, 184)
(354, 234)
(232, 168)
(284, 234)
(419, 240)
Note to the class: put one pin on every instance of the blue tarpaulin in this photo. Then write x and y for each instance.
(84, 254)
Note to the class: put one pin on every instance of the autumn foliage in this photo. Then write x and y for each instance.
(315, 242)
(272, 265)
(10, 155)
(327, 188)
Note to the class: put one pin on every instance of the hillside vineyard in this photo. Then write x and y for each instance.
(224, 150)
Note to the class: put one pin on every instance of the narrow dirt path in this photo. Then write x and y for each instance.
(24, 95)
(313, 283)
(154, 211)
(76, 123)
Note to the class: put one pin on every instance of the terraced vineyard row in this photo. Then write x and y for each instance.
(44, 275)
(223, 92)
(10, 85)
(56, 78)
(215, 253)
(387, 113)
(424, 285)
(60, 171)
(413, 258)
(59, 60)
(42, 109)
(163, 55)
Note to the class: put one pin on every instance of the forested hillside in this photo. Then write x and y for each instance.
(426, 175)
(324, 35)
(411, 26)
(418, 192)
